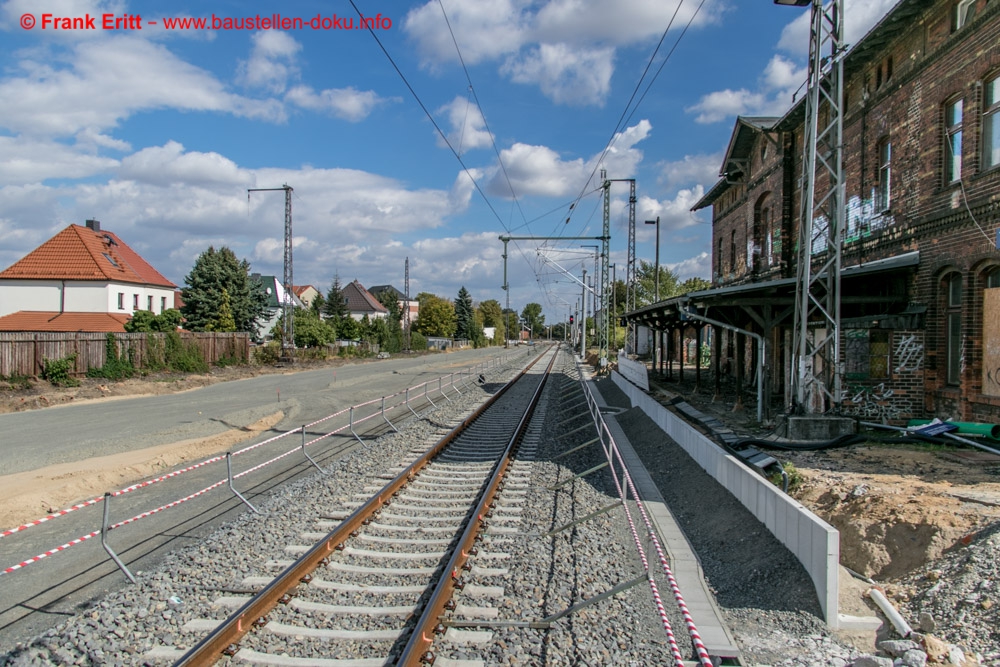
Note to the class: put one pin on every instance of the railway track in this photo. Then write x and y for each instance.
(370, 586)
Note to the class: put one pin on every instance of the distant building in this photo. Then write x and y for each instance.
(360, 302)
(306, 294)
(276, 299)
(401, 301)
(82, 279)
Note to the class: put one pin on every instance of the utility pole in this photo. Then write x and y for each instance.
(583, 320)
(406, 311)
(630, 270)
(287, 302)
(816, 374)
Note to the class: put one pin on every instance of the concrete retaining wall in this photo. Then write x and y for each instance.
(813, 541)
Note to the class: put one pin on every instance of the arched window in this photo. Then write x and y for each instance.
(952, 287)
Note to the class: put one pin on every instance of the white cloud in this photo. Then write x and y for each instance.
(170, 165)
(565, 47)
(346, 103)
(485, 30)
(565, 74)
(106, 81)
(860, 16)
(272, 61)
(783, 79)
(539, 170)
(468, 127)
(723, 104)
(692, 170)
(27, 160)
(674, 214)
(699, 266)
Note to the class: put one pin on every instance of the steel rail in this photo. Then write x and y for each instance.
(415, 653)
(222, 641)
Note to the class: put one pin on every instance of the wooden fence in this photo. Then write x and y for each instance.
(21, 353)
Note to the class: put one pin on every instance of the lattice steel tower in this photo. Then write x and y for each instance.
(816, 373)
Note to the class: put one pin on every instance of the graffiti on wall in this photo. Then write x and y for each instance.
(909, 354)
(876, 403)
(863, 218)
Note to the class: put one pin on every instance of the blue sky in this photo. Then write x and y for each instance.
(158, 133)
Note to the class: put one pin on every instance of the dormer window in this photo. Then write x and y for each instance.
(108, 257)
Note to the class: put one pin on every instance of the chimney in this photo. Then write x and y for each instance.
(94, 225)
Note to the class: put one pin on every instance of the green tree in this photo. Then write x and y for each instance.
(492, 316)
(349, 329)
(215, 271)
(225, 321)
(317, 304)
(310, 330)
(533, 319)
(646, 283)
(145, 321)
(694, 284)
(335, 305)
(436, 318)
(464, 324)
(391, 338)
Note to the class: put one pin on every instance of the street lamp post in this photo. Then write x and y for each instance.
(656, 282)
(657, 267)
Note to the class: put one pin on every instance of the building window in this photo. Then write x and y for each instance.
(953, 322)
(121, 300)
(718, 256)
(965, 11)
(163, 303)
(991, 124)
(866, 354)
(135, 302)
(953, 141)
(149, 303)
(884, 192)
(993, 278)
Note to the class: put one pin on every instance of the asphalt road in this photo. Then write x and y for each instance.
(45, 592)
(37, 438)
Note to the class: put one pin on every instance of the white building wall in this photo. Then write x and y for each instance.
(80, 296)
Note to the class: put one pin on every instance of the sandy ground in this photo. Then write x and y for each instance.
(29, 495)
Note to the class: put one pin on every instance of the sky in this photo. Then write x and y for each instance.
(448, 124)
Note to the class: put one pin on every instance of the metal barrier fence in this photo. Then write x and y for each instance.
(627, 491)
(421, 395)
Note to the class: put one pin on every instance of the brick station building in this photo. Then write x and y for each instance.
(920, 319)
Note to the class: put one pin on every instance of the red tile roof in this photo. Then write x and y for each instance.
(35, 320)
(80, 253)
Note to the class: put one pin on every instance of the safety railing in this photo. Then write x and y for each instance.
(406, 402)
(627, 492)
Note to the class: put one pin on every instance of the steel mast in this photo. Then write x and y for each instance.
(816, 373)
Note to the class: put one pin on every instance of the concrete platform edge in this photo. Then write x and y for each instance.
(815, 543)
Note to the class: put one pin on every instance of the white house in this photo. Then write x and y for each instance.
(360, 302)
(277, 297)
(82, 279)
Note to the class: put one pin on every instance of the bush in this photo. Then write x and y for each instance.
(156, 353)
(417, 341)
(115, 366)
(795, 478)
(57, 371)
(267, 354)
(183, 357)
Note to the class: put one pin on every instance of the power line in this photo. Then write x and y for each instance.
(618, 125)
(482, 113)
(430, 117)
